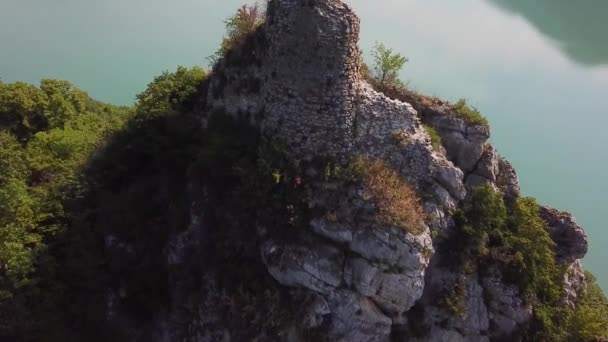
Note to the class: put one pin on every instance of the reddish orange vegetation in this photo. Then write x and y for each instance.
(397, 203)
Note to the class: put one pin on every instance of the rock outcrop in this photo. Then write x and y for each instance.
(297, 81)
(570, 239)
(368, 275)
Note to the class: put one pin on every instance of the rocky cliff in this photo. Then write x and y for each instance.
(338, 271)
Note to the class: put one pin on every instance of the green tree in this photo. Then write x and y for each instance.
(590, 319)
(54, 156)
(171, 92)
(47, 135)
(26, 109)
(533, 252)
(387, 65)
(18, 238)
(22, 108)
(64, 101)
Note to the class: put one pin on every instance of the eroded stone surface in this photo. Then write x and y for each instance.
(356, 318)
(570, 238)
(574, 283)
(507, 309)
(316, 267)
(395, 293)
(507, 179)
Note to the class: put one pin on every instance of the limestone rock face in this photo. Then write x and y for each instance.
(486, 170)
(391, 130)
(464, 142)
(507, 179)
(471, 323)
(507, 309)
(318, 267)
(356, 318)
(370, 274)
(574, 283)
(571, 240)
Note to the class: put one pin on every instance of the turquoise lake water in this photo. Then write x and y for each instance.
(537, 69)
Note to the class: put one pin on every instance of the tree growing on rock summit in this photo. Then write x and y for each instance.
(387, 65)
(240, 25)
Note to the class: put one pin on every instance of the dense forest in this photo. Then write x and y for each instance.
(65, 160)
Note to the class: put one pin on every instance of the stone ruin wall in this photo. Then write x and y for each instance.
(310, 74)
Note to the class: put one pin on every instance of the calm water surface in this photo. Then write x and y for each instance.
(537, 69)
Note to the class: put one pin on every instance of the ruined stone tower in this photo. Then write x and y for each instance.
(310, 75)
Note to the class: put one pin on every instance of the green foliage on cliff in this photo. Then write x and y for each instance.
(522, 245)
(511, 237)
(70, 167)
(435, 137)
(470, 114)
(246, 20)
(590, 318)
(387, 65)
(453, 298)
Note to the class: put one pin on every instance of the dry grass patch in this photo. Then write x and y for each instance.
(397, 202)
(470, 114)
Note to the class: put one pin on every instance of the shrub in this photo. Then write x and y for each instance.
(513, 237)
(387, 65)
(470, 114)
(243, 23)
(590, 318)
(435, 137)
(171, 92)
(532, 261)
(396, 201)
(453, 298)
